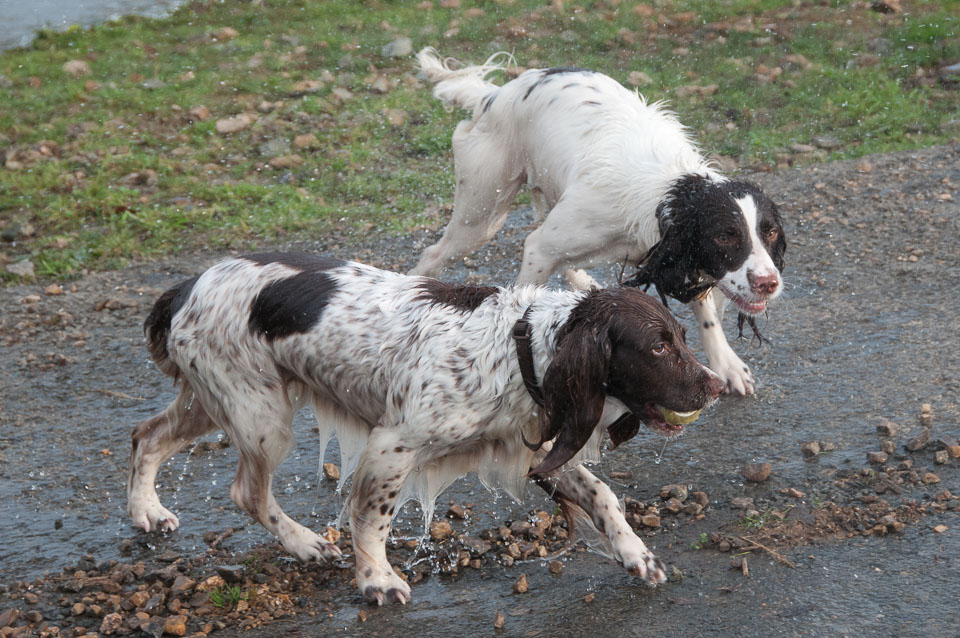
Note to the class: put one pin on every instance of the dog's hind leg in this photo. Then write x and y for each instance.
(154, 441)
(580, 490)
(263, 435)
(487, 183)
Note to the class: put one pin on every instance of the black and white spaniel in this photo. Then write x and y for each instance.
(421, 381)
(615, 179)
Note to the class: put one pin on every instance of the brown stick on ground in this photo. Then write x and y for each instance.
(777, 555)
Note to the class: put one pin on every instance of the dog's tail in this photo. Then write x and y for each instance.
(463, 87)
(157, 325)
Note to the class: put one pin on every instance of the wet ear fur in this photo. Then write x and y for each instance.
(574, 390)
(670, 265)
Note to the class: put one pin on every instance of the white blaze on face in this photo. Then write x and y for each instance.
(758, 265)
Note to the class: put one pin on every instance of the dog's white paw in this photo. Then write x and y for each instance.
(734, 373)
(381, 585)
(149, 515)
(308, 547)
(646, 566)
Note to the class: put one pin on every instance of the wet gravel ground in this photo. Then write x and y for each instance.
(862, 334)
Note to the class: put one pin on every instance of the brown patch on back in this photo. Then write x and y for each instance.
(459, 297)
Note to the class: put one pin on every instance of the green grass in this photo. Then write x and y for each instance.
(227, 596)
(872, 84)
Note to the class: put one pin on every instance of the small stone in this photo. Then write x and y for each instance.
(77, 68)
(308, 141)
(8, 617)
(802, 148)
(701, 498)
(154, 83)
(930, 478)
(639, 78)
(331, 472)
(399, 48)
(458, 512)
(756, 472)
(569, 36)
(792, 492)
(200, 113)
(286, 161)
(555, 567)
(828, 142)
(693, 509)
(919, 442)
(53, 289)
(673, 506)
(742, 503)
(22, 269)
(810, 449)
(499, 620)
(941, 457)
(864, 166)
(397, 117)
(877, 458)
(589, 597)
(235, 124)
(940, 529)
(112, 623)
(30, 598)
(521, 586)
(230, 573)
(307, 86)
(176, 625)
(650, 520)
(888, 447)
(225, 33)
(78, 609)
(361, 615)
(723, 546)
(953, 451)
(827, 446)
(674, 490)
(440, 530)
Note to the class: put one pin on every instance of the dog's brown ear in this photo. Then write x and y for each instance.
(574, 390)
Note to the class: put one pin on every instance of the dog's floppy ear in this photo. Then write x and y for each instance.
(671, 265)
(574, 390)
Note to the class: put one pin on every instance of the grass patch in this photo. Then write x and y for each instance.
(226, 597)
(126, 162)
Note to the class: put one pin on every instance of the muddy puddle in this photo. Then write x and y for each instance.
(859, 335)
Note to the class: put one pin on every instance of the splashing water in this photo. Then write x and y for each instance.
(659, 457)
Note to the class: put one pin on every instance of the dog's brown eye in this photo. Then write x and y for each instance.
(772, 234)
(659, 349)
(726, 238)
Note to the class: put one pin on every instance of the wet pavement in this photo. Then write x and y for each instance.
(21, 19)
(862, 332)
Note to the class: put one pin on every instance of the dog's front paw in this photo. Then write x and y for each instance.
(645, 566)
(734, 373)
(150, 515)
(308, 547)
(381, 586)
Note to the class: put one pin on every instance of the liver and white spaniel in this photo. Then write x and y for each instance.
(615, 179)
(421, 381)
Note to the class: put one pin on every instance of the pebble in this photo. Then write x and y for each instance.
(639, 78)
(399, 48)
(941, 457)
(810, 449)
(306, 141)
(112, 624)
(176, 625)
(828, 142)
(555, 567)
(77, 68)
(674, 490)
(361, 615)
(888, 447)
(888, 428)
(286, 161)
(953, 451)
(521, 586)
(225, 33)
(458, 512)
(650, 520)
(200, 113)
(235, 124)
(742, 503)
(499, 620)
(397, 117)
(701, 498)
(930, 478)
(877, 458)
(919, 442)
(22, 269)
(756, 472)
(792, 492)
(589, 597)
(331, 472)
(940, 529)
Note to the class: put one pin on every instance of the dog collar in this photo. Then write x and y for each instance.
(522, 334)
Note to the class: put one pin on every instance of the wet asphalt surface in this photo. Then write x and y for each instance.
(863, 331)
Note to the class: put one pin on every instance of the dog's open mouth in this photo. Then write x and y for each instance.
(748, 306)
(665, 421)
